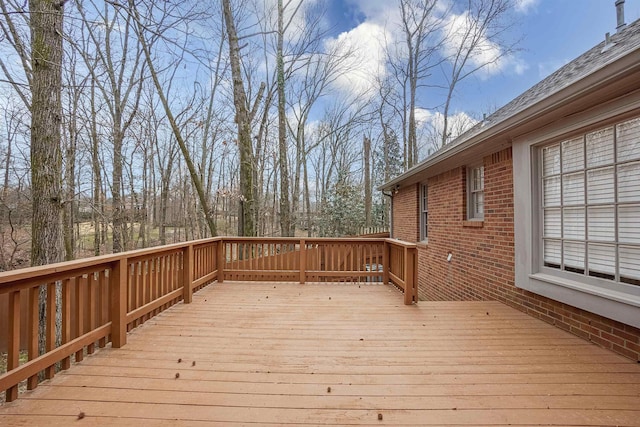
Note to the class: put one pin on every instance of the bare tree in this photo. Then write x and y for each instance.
(243, 118)
(366, 160)
(421, 27)
(285, 210)
(475, 40)
(40, 53)
(118, 71)
(143, 29)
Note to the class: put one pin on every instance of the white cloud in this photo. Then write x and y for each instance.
(519, 66)
(524, 6)
(462, 30)
(364, 52)
(380, 12)
(298, 24)
(431, 127)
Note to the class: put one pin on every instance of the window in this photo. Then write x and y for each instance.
(576, 213)
(475, 192)
(590, 199)
(424, 211)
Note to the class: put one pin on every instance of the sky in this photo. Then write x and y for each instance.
(551, 34)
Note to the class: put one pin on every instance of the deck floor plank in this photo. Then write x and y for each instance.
(338, 354)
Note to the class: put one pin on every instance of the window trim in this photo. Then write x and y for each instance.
(424, 211)
(614, 300)
(471, 215)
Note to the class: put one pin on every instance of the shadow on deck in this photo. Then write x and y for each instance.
(337, 354)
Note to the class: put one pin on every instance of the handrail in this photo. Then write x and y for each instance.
(104, 297)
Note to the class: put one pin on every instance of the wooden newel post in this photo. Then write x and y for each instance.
(386, 264)
(187, 274)
(34, 325)
(221, 260)
(409, 275)
(118, 288)
(13, 350)
(303, 261)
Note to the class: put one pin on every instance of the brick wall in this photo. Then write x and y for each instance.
(406, 214)
(482, 266)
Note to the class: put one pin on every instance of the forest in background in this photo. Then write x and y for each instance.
(130, 124)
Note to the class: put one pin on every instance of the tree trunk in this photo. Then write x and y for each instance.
(46, 159)
(117, 209)
(70, 172)
(366, 142)
(97, 176)
(286, 228)
(243, 121)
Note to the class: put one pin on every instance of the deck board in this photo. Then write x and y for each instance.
(267, 354)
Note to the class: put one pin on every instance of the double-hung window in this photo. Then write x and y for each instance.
(475, 192)
(424, 211)
(590, 200)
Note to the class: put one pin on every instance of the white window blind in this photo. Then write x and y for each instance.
(573, 155)
(600, 147)
(591, 203)
(600, 185)
(629, 266)
(628, 178)
(628, 140)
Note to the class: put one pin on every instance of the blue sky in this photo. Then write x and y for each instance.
(552, 33)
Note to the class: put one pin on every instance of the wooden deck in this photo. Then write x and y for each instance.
(337, 354)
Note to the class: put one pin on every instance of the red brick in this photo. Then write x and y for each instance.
(626, 335)
(633, 347)
(612, 338)
(600, 341)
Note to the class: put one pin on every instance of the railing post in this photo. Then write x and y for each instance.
(187, 274)
(34, 325)
(50, 331)
(303, 261)
(13, 350)
(409, 275)
(221, 261)
(118, 287)
(386, 263)
(66, 319)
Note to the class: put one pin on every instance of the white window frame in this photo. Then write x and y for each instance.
(424, 212)
(609, 298)
(475, 192)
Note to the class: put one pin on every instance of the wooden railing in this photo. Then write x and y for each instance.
(102, 298)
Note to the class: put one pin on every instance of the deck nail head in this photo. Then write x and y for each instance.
(177, 375)
(328, 389)
(193, 363)
(81, 415)
(179, 360)
(379, 417)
